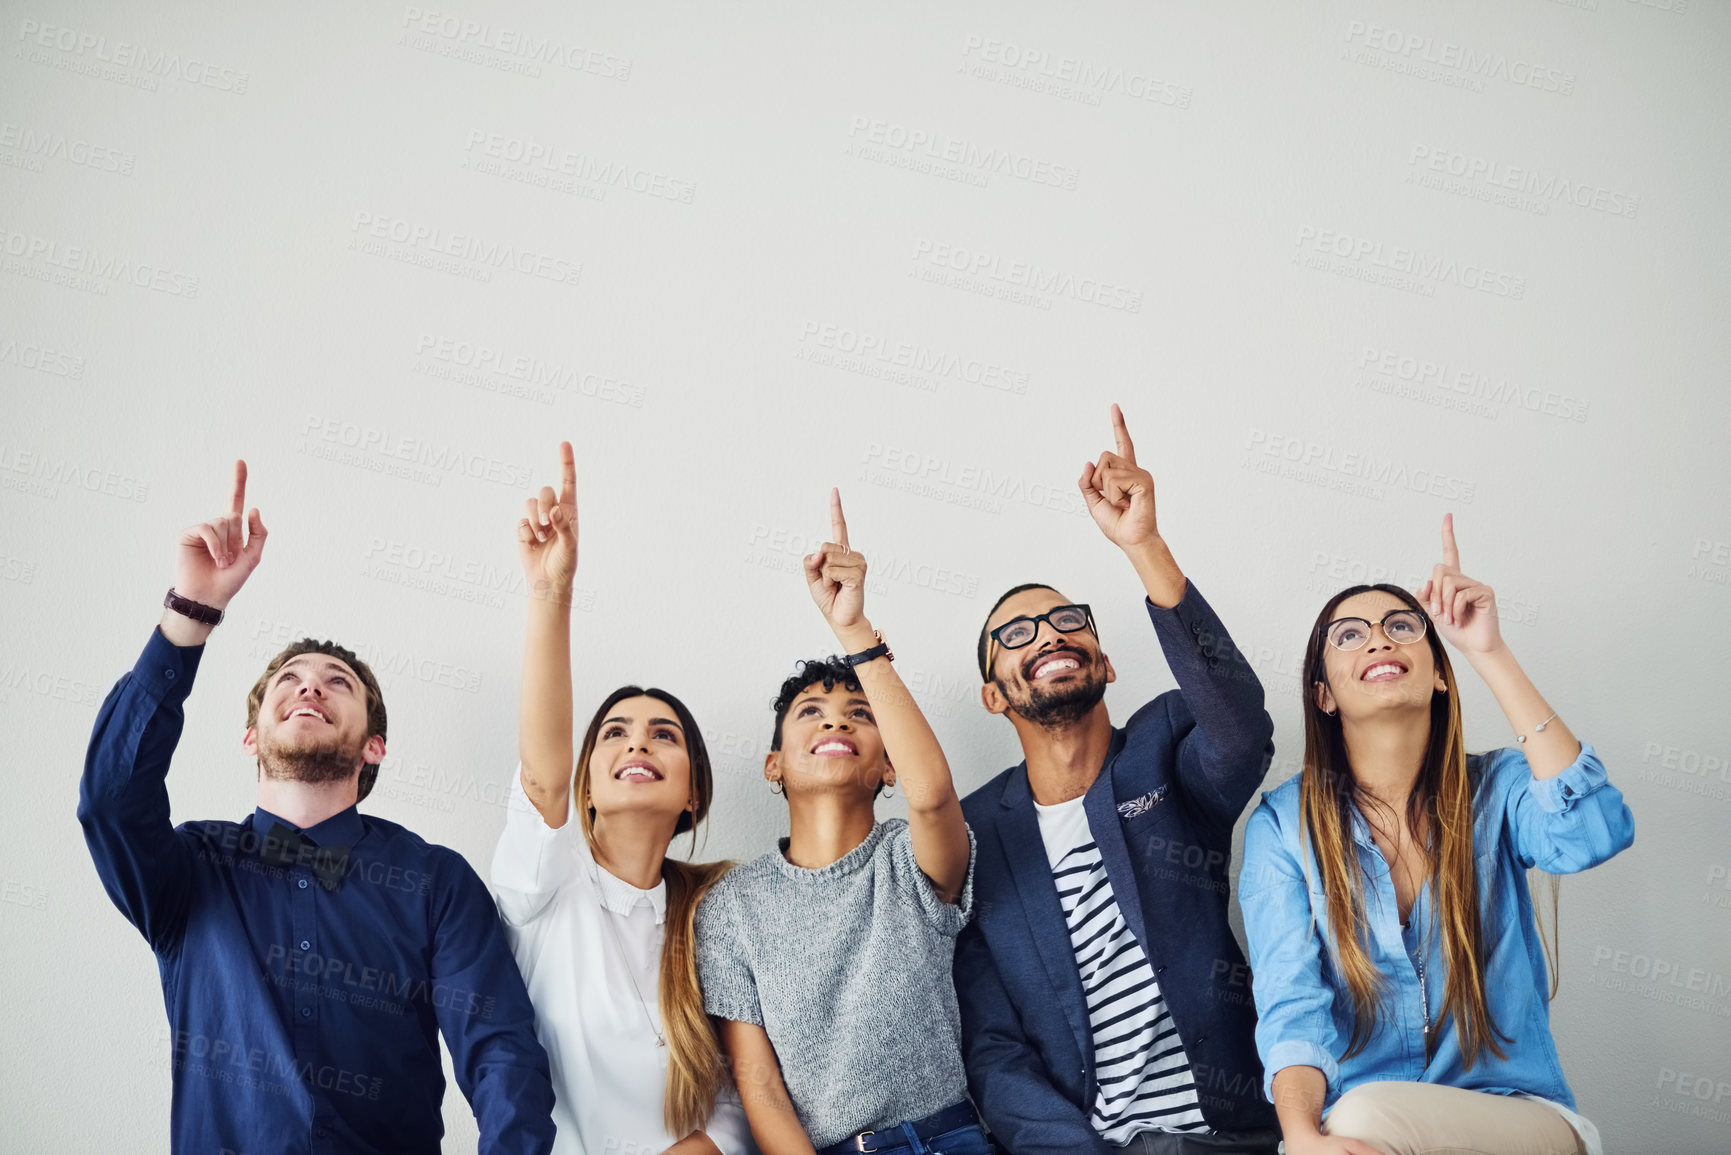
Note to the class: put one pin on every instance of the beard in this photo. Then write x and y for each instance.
(1057, 707)
(313, 762)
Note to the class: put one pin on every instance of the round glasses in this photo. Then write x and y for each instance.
(1400, 626)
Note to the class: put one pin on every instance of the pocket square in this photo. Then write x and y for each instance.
(1137, 807)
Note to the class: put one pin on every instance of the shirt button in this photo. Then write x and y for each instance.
(303, 884)
(306, 1012)
(305, 945)
(169, 674)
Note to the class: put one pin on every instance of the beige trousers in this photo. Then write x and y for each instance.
(1427, 1119)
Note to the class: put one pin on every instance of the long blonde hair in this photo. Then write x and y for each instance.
(694, 1065)
(1442, 804)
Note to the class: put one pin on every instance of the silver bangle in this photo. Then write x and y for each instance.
(1539, 729)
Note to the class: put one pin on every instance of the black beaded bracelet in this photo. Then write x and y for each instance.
(186, 607)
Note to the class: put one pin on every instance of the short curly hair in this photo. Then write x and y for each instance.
(375, 699)
(832, 671)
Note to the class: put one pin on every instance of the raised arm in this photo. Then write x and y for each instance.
(1227, 739)
(836, 577)
(144, 865)
(1568, 817)
(547, 546)
(1465, 612)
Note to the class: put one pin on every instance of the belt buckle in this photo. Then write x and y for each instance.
(859, 1143)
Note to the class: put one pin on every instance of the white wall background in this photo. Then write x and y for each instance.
(1347, 265)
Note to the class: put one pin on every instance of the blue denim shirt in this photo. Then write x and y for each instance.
(1561, 825)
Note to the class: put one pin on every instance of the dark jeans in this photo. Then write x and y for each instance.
(970, 1140)
(1265, 1142)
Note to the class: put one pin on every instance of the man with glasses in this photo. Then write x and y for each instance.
(1105, 1003)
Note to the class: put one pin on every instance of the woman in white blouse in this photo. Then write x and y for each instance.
(600, 919)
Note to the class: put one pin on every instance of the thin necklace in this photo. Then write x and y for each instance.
(630, 971)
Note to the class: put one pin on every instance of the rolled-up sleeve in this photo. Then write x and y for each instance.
(948, 917)
(1565, 823)
(1294, 1006)
(532, 860)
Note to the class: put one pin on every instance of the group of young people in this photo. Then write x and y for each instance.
(1044, 966)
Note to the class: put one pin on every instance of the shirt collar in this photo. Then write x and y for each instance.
(340, 829)
(622, 898)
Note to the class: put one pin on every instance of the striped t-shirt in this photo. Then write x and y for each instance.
(1143, 1074)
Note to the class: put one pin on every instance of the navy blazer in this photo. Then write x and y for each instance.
(1176, 778)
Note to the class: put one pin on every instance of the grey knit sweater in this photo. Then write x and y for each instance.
(847, 969)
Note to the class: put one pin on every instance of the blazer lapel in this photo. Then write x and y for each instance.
(1101, 803)
(1025, 851)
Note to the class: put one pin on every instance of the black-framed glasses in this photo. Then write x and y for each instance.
(1018, 632)
(1403, 627)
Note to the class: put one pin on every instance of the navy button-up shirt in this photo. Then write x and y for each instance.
(305, 1019)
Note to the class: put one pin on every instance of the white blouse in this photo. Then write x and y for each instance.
(589, 946)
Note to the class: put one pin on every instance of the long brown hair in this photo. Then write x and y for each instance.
(694, 1064)
(1441, 804)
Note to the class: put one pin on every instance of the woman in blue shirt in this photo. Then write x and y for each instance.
(1400, 978)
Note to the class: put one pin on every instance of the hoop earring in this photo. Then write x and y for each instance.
(1331, 713)
(889, 791)
(775, 786)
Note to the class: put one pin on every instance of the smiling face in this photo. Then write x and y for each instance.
(641, 761)
(312, 723)
(830, 743)
(1055, 680)
(1383, 674)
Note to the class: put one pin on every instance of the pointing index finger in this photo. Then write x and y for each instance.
(837, 523)
(237, 506)
(567, 475)
(1451, 553)
(1121, 435)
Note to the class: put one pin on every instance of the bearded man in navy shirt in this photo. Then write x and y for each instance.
(310, 955)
